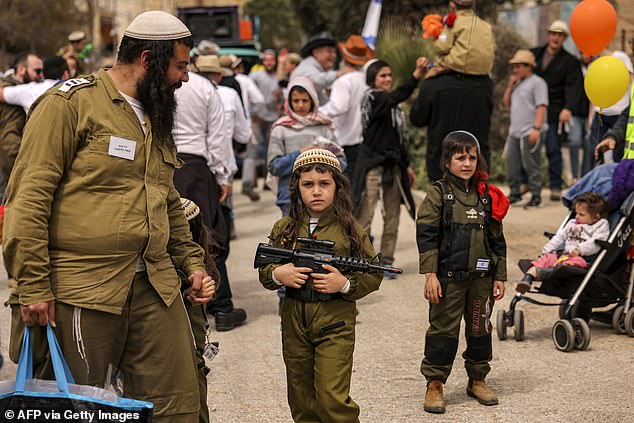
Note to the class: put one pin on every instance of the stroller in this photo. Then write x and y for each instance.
(602, 284)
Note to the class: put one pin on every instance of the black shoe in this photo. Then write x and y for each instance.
(515, 198)
(229, 320)
(249, 191)
(555, 194)
(232, 232)
(524, 285)
(533, 203)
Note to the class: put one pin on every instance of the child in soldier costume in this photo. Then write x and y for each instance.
(318, 314)
(195, 311)
(463, 257)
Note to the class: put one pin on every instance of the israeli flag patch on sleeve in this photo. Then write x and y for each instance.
(483, 264)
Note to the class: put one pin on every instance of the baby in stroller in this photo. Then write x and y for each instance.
(575, 240)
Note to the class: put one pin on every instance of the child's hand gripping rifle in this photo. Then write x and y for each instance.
(314, 254)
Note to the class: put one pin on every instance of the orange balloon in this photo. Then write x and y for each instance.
(592, 25)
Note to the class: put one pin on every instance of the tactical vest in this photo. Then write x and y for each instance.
(628, 152)
(464, 246)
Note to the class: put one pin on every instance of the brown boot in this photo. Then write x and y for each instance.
(434, 402)
(479, 390)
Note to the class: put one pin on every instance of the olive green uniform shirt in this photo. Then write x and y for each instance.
(328, 228)
(468, 47)
(78, 219)
(12, 120)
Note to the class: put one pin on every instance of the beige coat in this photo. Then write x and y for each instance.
(468, 47)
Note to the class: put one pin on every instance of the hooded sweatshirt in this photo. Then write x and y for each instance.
(291, 133)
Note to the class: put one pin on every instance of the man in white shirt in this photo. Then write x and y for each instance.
(347, 92)
(55, 69)
(251, 95)
(199, 130)
(203, 130)
(237, 126)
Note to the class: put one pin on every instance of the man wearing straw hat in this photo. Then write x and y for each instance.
(347, 92)
(95, 227)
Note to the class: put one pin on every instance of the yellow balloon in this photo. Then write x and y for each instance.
(606, 81)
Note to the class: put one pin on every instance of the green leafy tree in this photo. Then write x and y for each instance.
(400, 45)
(345, 18)
(279, 26)
(37, 26)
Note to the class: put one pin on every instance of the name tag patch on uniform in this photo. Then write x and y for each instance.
(483, 264)
(120, 147)
(66, 86)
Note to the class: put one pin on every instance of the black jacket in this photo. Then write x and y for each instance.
(449, 102)
(382, 144)
(565, 82)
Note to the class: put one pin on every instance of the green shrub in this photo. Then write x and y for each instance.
(400, 45)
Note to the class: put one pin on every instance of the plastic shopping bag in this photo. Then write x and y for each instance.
(34, 400)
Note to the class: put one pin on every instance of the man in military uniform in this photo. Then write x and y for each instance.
(95, 227)
(28, 68)
(78, 49)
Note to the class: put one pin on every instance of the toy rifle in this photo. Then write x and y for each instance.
(314, 254)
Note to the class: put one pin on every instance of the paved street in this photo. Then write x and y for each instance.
(535, 382)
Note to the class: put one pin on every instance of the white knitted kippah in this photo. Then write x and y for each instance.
(317, 155)
(157, 25)
(190, 208)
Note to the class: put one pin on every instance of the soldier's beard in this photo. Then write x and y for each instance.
(159, 103)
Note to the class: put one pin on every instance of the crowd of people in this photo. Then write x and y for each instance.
(119, 197)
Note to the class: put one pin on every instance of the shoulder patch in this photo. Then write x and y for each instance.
(73, 83)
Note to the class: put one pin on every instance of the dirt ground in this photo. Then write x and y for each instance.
(535, 382)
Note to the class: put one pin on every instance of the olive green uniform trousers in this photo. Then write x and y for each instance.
(318, 343)
(472, 299)
(198, 321)
(41, 358)
(149, 343)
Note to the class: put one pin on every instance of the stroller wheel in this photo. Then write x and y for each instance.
(563, 335)
(501, 324)
(518, 324)
(618, 320)
(578, 310)
(629, 322)
(582, 333)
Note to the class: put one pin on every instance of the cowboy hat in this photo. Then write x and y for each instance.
(356, 51)
(324, 38)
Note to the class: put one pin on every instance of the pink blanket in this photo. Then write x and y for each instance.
(551, 260)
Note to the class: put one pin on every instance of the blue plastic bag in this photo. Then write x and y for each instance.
(33, 400)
